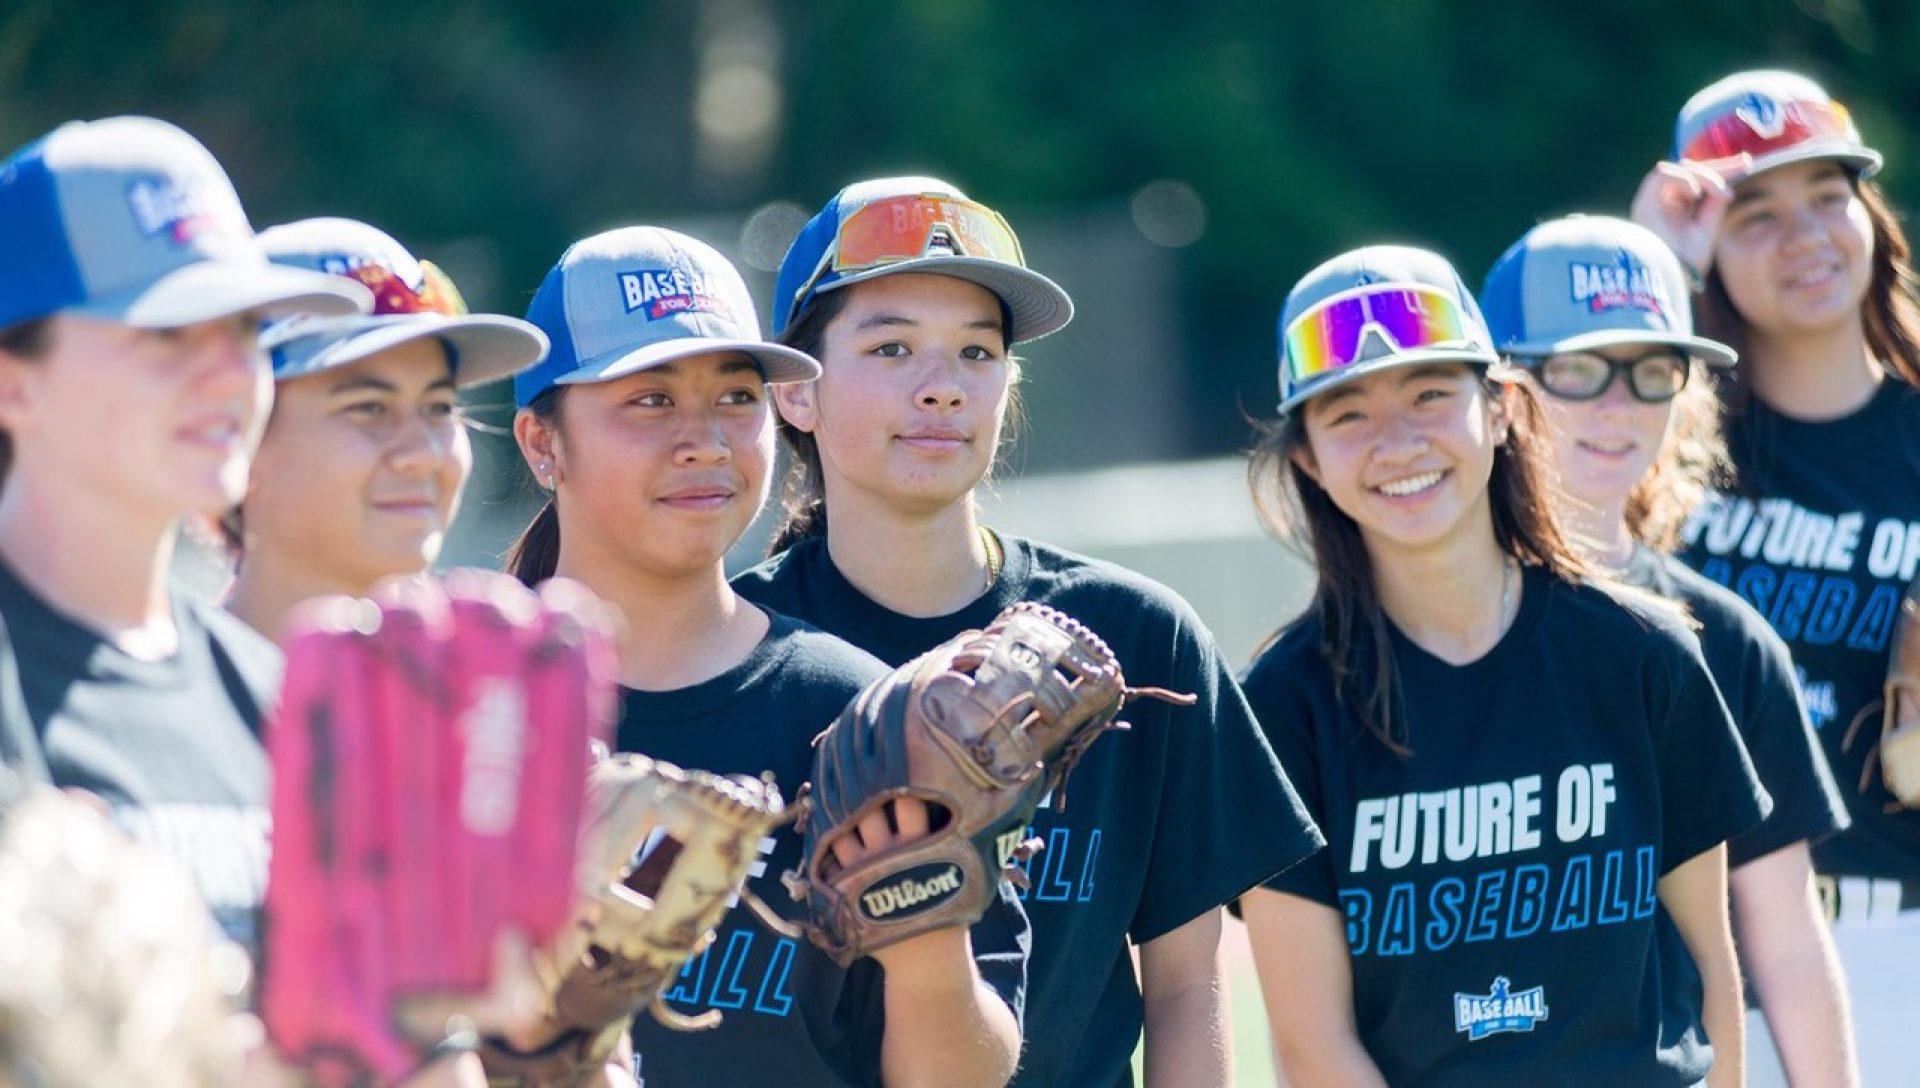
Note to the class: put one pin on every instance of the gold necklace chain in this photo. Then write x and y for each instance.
(996, 555)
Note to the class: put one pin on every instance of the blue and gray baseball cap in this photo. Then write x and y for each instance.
(1373, 309)
(638, 297)
(1592, 281)
(412, 300)
(926, 225)
(1774, 116)
(131, 220)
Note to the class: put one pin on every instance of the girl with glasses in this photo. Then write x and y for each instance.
(1524, 779)
(912, 297)
(651, 428)
(1803, 267)
(1595, 311)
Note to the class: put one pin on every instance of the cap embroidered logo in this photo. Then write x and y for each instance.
(162, 205)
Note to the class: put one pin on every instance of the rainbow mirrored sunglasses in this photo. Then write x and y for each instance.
(1332, 334)
(905, 228)
(392, 297)
(1759, 127)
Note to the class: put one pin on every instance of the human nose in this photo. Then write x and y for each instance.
(941, 388)
(702, 440)
(419, 446)
(1400, 440)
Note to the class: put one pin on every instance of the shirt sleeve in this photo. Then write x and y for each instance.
(1807, 805)
(1286, 721)
(1002, 939)
(1228, 818)
(1709, 792)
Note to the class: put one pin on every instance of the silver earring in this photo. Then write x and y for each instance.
(545, 477)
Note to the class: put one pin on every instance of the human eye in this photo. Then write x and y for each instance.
(891, 349)
(370, 408)
(650, 398)
(440, 409)
(980, 353)
(745, 394)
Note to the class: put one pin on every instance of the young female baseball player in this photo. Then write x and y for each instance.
(911, 295)
(1806, 273)
(360, 472)
(132, 394)
(1524, 783)
(1595, 310)
(651, 426)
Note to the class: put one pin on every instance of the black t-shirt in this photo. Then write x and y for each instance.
(1754, 673)
(171, 746)
(790, 1014)
(1163, 823)
(1822, 539)
(1499, 884)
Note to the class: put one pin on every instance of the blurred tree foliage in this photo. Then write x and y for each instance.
(502, 131)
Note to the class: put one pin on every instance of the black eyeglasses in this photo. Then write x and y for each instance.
(1654, 378)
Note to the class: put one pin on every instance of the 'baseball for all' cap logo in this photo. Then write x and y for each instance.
(1624, 284)
(664, 292)
(161, 205)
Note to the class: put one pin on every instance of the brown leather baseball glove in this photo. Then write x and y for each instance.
(981, 729)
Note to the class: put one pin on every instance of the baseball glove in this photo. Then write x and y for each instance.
(111, 970)
(981, 729)
(1897, 751)
(430, 757)
(664, 854)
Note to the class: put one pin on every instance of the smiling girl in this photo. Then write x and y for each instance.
(651, 428)
(1524, 784)
(360, 472)
(1805, 270)
(1595, 311)
(132, 395)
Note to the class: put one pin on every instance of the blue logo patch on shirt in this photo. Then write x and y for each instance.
(664, 292)
(1501, 1010)
(1625, 284)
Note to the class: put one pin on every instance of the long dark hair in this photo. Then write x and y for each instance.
(1354, 631)
(29, 340)
(803, 495)
(535, 554)
(1890, 312)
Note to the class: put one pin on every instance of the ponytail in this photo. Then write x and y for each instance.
(535, 555)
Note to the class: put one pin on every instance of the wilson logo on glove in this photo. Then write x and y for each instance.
(913, 892)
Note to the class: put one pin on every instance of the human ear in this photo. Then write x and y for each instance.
(797, 405)
(1302, 458)
(540, 447)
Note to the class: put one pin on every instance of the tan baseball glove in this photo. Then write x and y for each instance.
(665, 852)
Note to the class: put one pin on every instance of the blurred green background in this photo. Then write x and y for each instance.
(1209, 152)
(1174, 169)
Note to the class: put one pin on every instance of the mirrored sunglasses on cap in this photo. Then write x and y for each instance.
(905, 228)
(392, 297)
(1742, 130)
(1656, 377)
(1332, 334)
